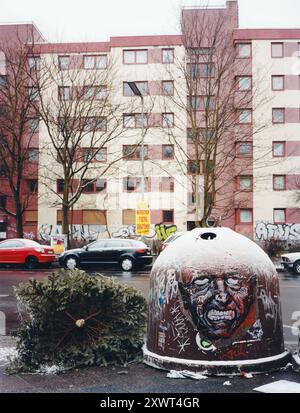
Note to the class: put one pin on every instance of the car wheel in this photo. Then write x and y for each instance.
(31, 262)
(296, 267)
(71, 262)
(126, 264)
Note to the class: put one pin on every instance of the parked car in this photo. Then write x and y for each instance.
(170, 239)
(291, 262)
(127, 253)
(25, 251)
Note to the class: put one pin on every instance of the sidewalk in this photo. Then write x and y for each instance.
(135, 378)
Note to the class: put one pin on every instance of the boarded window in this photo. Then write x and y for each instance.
(128, 217)
(93, 217)
(31, 216)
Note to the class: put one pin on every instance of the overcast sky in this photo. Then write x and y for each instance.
(97, 20)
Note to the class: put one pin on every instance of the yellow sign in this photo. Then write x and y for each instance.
(142, 220)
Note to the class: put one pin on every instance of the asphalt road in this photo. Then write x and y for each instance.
(10, 277)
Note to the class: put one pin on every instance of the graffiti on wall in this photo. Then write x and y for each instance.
(163, 231)
(284, 232)
(128, 231)
(80, 232)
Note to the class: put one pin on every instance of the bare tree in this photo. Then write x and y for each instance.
(83, 121)
(17, 126)
(214, 96)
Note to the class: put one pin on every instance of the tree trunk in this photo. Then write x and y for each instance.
(19, 224)
(65, 223)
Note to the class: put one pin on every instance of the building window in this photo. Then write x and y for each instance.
(142, 86)
(101, 185)
(3, 80)
(101, 155)
(245, 216)
(95, 62)
(168, 216)
(60, 186)
(278, 115)
(135, 120)
(244, 148)
(93, 217)
(64, 92)
(168, 120)
(168, 55)
(245, 116)
(31, 217)
(244, 49)
(245, 183)
(167, 184)
(168, 87)
(277, 49)
(244, 83)
(131, 184)
(3, 199)
(32, 185)
(93, 124)
(34, 62)
(279, 216)
(128, 216)
(279, 182)
(33, 125)
(135, 57)
(134, 152)
(202, 102)
(278, 149)
(64, 62)
(193, 168)
(168, 151)
(87, 186)
(95, 92)
(278, 82)
(193, 135)
(33, 93)
(2, 171)
(33, 155)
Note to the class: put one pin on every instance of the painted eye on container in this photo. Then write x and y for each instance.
(201, 282)
(233, 282)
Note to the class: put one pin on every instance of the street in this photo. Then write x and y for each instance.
(10, 277)
(137, 377)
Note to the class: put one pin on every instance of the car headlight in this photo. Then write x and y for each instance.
(40, 250)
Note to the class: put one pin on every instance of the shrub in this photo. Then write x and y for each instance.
(73, 320)
(273, 246)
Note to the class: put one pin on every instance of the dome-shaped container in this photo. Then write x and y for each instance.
(214, 306)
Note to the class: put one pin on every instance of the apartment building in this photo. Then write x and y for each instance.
(262, 178)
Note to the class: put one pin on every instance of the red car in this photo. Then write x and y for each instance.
(25, 251)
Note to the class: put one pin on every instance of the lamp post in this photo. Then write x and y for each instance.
(136, 91)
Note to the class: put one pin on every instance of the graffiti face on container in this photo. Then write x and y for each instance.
(217, 303)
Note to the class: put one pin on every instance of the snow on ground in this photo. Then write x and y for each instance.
(185, 374)
(5, 353)
(280, 386)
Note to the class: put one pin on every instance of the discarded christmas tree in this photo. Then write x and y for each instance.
(73, 320)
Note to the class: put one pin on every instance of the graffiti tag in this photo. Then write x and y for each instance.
(270, 307)
(79, 232)
(285, 232)
(128, 231)
(164, 231)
